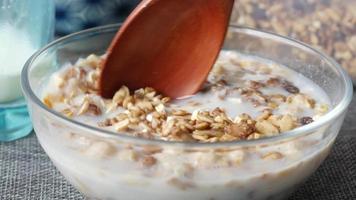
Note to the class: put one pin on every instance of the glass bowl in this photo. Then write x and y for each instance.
(107, 165)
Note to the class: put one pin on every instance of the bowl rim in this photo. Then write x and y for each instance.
(300, 131)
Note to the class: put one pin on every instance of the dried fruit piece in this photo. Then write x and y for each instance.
(306, 120)
(289, 87)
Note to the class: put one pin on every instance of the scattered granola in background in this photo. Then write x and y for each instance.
(329, 25)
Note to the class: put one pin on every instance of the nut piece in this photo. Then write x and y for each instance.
(67, 112)
(100, 150)
(149, 161)
(272, 156)
(120, 95)
(242, 129)
(284, 123)
(182, 185)
(184, 170)
(94, 109)
(266, 128)
(84, 108)
(301, 100)
(123, 125)
(48, 101)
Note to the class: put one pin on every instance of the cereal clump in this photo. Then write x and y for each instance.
(148, 114)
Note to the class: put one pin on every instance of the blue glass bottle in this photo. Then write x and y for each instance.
(25, 26)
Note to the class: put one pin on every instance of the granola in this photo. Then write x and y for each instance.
(243, 99)
(325, 24)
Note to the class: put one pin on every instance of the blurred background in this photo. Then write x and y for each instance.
(329, 25)
(76, 15)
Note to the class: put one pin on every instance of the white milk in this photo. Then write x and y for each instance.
(15, 49)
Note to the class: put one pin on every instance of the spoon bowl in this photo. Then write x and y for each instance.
(169, 45)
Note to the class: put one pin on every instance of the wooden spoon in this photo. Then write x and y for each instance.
(169, 45)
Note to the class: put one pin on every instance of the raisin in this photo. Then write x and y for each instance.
(273, 82)
(256, 85)
(290, 87)
(306, 120)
